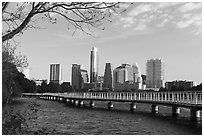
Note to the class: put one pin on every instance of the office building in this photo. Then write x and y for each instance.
(127, 77)
(75, 76)
(154, 74)
(94, 59)
(143, 81)
(108, 76)
(55, 73)
(79, 77)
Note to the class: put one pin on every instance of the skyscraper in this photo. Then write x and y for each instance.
(94, 65)
(55, 73)
(126, 77)
(155, 73)
(75, 76)
(108, 76)
(79, 77)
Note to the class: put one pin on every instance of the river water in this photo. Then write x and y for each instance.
(64, 119)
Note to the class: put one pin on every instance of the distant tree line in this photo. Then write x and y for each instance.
(182, 88)
(53, 87)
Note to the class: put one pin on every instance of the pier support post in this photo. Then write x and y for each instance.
(81, 103)
(155, 109)
(76, 102)
(175, 111)
(91, 104)
(195, 115)
(110, 105)
(72, 102)
(69, 102)
(133, 107)
(64, 100)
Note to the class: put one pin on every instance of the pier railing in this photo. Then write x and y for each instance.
(189, 97)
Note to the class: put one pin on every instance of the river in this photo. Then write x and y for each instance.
(59, 118)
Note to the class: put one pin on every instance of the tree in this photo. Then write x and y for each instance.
(11, 78)
(43, 87)
(53, 87)
(10, 57)
(65, 87)
(198, 87)
(17, 17)
(162, 89)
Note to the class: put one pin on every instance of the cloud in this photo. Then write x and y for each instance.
(187, 16)
(194, 20)
(165, 21)
(145, 13)
(190, 6)
(127, 21)
(140, 9)
(141, 26)
(157, 15)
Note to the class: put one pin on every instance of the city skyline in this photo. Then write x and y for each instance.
(170, 31)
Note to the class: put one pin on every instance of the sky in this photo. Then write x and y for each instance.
(169, 31)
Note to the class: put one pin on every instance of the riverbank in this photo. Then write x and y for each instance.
(57, 118)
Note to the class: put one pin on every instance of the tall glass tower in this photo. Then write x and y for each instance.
(155, 73)
(94, 65)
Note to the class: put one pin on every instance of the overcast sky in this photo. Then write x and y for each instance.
(170, 31)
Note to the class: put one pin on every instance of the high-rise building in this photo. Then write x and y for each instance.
(155, 74)
(84, 77)
(79, 77)
(108, 76)
(55, 73)
(94, 65)
(75, 76)
(126, 77)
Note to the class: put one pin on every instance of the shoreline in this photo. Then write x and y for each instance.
(102, 106)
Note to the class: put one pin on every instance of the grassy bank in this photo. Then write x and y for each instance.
(39, 118)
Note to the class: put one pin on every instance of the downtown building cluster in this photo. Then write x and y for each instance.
(125, 77)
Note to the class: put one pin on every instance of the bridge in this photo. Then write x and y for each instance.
(175, 99)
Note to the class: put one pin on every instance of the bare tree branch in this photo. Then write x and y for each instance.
(79, 14)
